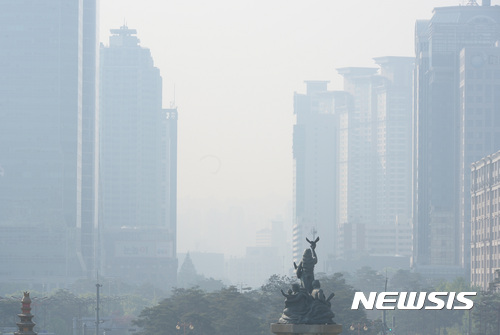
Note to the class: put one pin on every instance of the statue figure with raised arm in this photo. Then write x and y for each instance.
(306, 303)
(305, 269)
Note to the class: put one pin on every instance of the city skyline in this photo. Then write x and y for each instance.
(247, 187)
(223, 53)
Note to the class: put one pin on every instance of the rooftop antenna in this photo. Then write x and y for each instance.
(172, 103)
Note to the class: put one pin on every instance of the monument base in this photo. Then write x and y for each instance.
(292, 329)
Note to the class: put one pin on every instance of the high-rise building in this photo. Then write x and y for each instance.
(48, 160)
(480, 123)
(357, 192)
(375, 161)
(138, 160)
(451, 113)
(315, 153)
(352, 152)
(90, 136)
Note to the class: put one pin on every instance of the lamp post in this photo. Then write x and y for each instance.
(97, 319)
(189, 325)
(359, 326)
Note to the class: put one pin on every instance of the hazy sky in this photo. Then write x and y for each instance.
(235, 65)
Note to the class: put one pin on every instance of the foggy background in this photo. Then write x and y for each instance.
(234, 66)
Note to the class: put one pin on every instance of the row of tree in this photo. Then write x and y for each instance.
(228, 311)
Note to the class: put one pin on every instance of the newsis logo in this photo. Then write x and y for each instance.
(414, 300)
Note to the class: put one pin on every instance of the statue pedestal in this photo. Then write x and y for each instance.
(292, 329)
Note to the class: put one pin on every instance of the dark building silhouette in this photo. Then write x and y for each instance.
(138, 166)
(48, 158)
(454, 125)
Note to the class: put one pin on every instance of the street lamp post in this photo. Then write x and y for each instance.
(189, 325)
(97, 320)
(358, 326)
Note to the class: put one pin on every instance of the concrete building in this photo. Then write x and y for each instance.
(485, 220)
(357, 148)
(48, 139)
(352, 152)
(315, 153)
(480, 119)
(138, 165)
(451, 113)
(375, 160)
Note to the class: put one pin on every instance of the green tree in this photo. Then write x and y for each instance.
(184, 306)
(341, 303)
(486, 313)
(239, 314)
(9, 308)
(406, 281)
(367, 279)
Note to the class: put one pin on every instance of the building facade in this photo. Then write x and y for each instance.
(357, 161)
(445, 141)
(480, 118)
(485, 220)
(48, 142)
(138, 179)
(375, 151)
(315, 153)
(352, 152)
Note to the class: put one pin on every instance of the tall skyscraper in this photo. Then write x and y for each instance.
(47, 131)
(352, 154)
(138, 160)
(451, 113)
(357, 149)
(90, 136)
(375, 161)
(315, 152)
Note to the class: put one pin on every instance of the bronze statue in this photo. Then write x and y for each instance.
(320, 309)
(306, 303)
(296, 305)
(305, 269)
